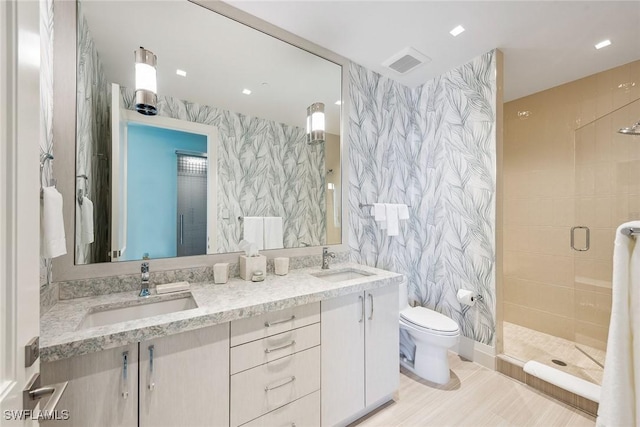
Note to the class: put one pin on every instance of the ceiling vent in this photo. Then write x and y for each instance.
(406, 60)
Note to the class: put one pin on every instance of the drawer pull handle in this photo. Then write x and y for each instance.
(290, 380)
(269, 324)
(125, 368)
(282, 347)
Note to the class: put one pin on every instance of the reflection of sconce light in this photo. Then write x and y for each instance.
(315, 123)
(146, 87)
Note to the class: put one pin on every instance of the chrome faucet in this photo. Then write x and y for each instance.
(144, 280)
(325, 258)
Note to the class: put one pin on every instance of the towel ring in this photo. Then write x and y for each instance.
(44, 158)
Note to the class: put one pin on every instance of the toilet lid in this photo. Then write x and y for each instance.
(428, 319)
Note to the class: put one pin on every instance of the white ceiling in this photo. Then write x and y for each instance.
(545, 43)
(221, 58)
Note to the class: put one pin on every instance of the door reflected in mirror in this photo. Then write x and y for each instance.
(229, 141)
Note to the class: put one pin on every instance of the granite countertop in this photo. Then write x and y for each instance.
(60, 337)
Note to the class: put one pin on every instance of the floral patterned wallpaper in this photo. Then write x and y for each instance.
(432, 148)
(93, 143)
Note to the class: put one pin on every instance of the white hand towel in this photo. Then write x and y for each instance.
(86, 220)
(52, 242)
(78, 223)
(273, 238)
(393, 227)
(403, 212)
(254, 230)
(621, 379)
(380, 214)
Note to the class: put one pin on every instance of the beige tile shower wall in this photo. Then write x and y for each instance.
(547, 286)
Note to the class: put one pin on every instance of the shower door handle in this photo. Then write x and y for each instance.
(573, 238)
(181, 229)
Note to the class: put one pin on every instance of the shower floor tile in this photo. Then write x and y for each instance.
(526, 344)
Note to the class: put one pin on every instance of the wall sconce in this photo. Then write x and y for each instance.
(315, 123)
(146, 87)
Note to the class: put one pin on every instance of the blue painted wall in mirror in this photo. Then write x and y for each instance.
(153, 188)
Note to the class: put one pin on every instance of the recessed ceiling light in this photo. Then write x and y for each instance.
(181, 73)
(603, 43)
(246, 91)
(339, 102)
(457, 31)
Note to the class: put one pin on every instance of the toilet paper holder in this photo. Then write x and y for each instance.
(467, 297)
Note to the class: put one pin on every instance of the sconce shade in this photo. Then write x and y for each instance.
(146, 86)
(315, 124)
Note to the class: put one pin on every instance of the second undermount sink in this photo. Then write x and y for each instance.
(109, 315)
(342, 275)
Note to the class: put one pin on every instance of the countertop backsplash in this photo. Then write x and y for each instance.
(71, 289)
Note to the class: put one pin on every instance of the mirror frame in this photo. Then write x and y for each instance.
(64, 129)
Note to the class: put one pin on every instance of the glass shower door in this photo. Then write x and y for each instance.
(607, 193)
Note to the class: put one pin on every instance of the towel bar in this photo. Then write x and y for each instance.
(631, 231)
(365, 205)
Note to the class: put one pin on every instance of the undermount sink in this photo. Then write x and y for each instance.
(110, 315)
(342, 275)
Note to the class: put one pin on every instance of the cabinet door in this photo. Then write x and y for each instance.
(184, 379)
(381, 343)
(342, 346)
(102, 391)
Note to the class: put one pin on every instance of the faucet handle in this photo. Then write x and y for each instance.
(325, 252)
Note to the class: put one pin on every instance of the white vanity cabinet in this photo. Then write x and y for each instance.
(360, 358)
(184, 379)
(185, 382)
(275, 367)
(102, 390)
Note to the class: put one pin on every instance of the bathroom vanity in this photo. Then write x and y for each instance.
(315, 347)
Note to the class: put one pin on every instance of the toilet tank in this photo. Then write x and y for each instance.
(403, 293)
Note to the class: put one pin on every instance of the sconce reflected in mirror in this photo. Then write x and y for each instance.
(315, 124)
(146, 86)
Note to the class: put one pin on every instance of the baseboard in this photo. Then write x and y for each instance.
(482, 354)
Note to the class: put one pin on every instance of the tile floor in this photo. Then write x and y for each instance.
(526, 344)
(475, 396)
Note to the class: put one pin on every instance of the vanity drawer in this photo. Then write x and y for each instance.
(262, 351)
(304, 412)
(272, 323)
(256, 391)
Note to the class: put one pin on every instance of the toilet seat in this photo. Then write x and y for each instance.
(429, 321)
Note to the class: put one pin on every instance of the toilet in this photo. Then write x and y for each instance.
(433, 334)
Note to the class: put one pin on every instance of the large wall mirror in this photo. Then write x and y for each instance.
(225, 159)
